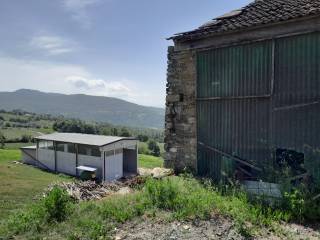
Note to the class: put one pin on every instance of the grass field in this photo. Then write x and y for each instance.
(13, 133)
(148, 161)
(15, 146)
(20, 183)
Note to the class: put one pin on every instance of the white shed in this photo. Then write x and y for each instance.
(72, 153)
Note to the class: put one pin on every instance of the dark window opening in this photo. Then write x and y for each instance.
(89, 150)
(290, 162)
(181, 97)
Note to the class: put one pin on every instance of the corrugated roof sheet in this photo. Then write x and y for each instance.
(86, 139)
(257, 13)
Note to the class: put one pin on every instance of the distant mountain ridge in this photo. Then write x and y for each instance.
(85, 107)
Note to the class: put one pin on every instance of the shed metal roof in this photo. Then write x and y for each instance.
(86, 139)
(259, 12)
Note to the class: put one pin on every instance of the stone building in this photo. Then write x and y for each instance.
(243, 93)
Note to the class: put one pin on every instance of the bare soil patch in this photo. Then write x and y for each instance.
(218, 227)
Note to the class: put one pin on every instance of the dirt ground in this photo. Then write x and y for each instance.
(216, 228)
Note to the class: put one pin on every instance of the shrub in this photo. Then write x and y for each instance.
(142, 149)
(300, 204)
(26, 138)
(143, 138)
(184, 197)
(154, 148)
(57, 205)
(2, 140)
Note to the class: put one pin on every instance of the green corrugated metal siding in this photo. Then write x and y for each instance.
(235, 71)
(238, 127)
(240, 114)
(296, 109)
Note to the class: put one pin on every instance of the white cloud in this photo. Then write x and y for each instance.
(52, 45)
(78, 10)
(100, 87)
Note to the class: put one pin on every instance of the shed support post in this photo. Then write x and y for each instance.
(55, 156)
(76, 150)
(37, 150)
(104, 165)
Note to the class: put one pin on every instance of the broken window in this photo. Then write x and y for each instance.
(291, 164)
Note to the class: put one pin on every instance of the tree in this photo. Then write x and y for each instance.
(143, 138)
(154, 148)
(114, 132)
(125, 132)
(26, 138)
(2, 140)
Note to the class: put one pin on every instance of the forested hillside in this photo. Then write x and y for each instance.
(84, 107)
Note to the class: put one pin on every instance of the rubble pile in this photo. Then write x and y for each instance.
(90, 190)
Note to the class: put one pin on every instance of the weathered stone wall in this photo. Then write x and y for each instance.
(180, 122)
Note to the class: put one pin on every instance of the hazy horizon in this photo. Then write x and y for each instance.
(86, 94)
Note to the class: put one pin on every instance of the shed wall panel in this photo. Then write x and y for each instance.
(113, 167)
(66, 163)
(29, 156)
(47, 158)
(90, 161)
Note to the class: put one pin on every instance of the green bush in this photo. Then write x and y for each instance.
(26, 138)
(143, 149)
(2, 140)
(184, 197)
(154, 148)
(57, 205)
(300, 204)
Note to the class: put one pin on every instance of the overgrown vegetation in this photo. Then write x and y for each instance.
(171, 198)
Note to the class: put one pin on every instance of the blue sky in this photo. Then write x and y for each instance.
(111, 48)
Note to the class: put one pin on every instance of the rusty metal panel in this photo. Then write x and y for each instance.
(243, 70)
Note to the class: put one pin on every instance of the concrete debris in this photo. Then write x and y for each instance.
(156, 172)
(17, 162)
(90, 190)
